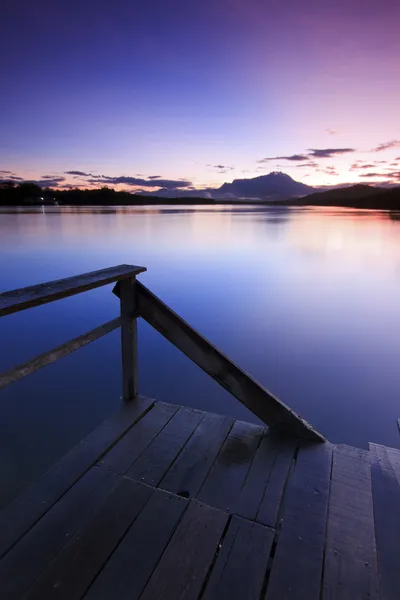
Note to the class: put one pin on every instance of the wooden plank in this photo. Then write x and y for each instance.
(131, 446)
(130, 566)
(51, 356)
(182, 570)
(250, 497)
(297, 566)
(229, 375)
(386, 499)
(129, 350)
(241, 565)
(69, 576)
(394, 459)
(225, 480)
(267, 513)
(194, 462)
(350, 571)
(35, 295)
(21, 515)
(155, 461)
(30, 556)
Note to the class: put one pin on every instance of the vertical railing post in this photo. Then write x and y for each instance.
(127, 293)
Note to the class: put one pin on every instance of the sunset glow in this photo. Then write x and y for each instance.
(200, 92)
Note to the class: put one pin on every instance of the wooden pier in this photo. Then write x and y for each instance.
(167, 502)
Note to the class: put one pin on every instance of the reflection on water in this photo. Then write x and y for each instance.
(304, 299)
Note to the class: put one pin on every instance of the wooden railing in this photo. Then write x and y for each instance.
(137, 301)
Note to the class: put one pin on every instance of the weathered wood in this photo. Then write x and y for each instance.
(394, 459)
(224, 482)
(129, 350)
(75, 567)
(350, 571)
(241, 565)
(386, 499)
(248, 501)
(267, 513)
(158, 457)
(36, 295)
(194, 462)
(130, 566)
(248, 391)
(297, 566)
(183, 567)
(51, 356)
(30, 556)
(21, 515)
(131, 445)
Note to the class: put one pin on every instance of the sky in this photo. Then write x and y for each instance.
(186, 95)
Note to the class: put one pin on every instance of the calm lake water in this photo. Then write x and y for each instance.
(306, 300)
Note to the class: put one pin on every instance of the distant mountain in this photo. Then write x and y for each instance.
(273, 187)
(355, 196)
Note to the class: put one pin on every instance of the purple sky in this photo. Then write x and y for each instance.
(199, 92)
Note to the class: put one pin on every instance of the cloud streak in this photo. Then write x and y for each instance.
(150, 182)
(328, 152)
(386, 146)
(311, 153)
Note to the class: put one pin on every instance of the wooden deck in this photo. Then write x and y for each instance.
(167, 502)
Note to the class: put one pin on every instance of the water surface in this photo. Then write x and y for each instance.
(306, 300)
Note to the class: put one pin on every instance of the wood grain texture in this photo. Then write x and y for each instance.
(158, 457)
(386, 499)
(17, 518)
(51, 356)
(350, 571)
(267, 513)
(131, 565)
(226, 478)
(248, 501)
(297, 566)
(76, 566)
(241, 564)
(188, 557)
(196, 458)
(136, 440)
(229, 375)
(394, 459)
(35, 295)
(31, 555)
(129, 345)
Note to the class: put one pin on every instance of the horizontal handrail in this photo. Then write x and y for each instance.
(51, 356)
(28, 297)
(137, 301)
(240, 384)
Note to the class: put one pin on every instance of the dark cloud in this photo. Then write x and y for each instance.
(293, 157)
(328, 152)
(5, 172)
(386, 146)
(136, 181)
(81, 173)
(154, 177)
(222, 168)
(311, 153)
(46, 182)
(393, 174)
